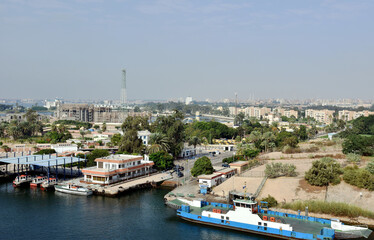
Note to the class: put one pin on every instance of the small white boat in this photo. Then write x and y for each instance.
(22, 180)
(37, 181)
(73, 189)
(48, 184)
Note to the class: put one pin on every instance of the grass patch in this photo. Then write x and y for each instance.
(324, 136)
(333, 208)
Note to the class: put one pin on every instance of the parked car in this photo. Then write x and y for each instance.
(180, 174)
(225, 165)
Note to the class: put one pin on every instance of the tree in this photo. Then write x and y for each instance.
(162, 160)
(194, 141)
(353, 158)
(82, 133)
(323, 172)
(131, 143)
(239, 119)
(103, 127)
(357, 144)
(302, 134)
(202, 165)
(158, 142)
(97, 153)
(116, 139)
(174, 129)
(96, 127)
(79, 145)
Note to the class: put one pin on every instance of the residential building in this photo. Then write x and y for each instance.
(350, 115)
(64, 147)
(116, 168)
(144, 136)
(323, 116)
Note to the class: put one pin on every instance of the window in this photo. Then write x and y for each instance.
(227, 218)
(265, 224)
(222, 217)
(222, 221)
(259, 223)
(237, 204)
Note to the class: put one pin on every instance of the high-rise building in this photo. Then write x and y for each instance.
(123, 89)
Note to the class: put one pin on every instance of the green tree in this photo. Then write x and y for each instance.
(97, 153)
(116, 139)
(131, 143)
(357, 144)
(194, 141)
(103, 127)
(353, 158)
(162, 160)
(158, 142)
(323, 172)
(174, 129)
(202, 165)
(302, 133)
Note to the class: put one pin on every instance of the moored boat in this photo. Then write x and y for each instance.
(22, 180)
(246, 215)
(48, 184)
(73, 189)
(36, 182)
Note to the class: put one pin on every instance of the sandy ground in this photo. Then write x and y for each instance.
(237, 184)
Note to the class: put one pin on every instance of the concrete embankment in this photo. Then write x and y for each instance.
(140, 183)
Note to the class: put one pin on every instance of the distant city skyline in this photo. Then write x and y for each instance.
(172, 49)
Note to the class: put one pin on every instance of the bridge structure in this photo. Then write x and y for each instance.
(45, 163)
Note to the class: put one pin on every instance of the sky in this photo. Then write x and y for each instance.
(75, 49)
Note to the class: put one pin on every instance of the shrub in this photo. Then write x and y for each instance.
(272, 202)
(353, 158)
(312, 149)
(288, 150)
(45, 151)
(333, 208)
(370, 167)
(323, 172)
(359, 177)
(233, 159)
(275, 170)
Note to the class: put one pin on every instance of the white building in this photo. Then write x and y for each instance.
(64, 147)
(188, 100)
(144, 136)
(116, 168)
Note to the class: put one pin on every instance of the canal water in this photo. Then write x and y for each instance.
(33, 214)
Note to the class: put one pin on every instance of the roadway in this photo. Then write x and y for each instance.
(188, 164)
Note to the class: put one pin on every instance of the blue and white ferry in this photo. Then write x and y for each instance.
(246, 215)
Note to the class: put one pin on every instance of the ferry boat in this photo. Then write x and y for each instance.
(246, 215)
(22, 180)
(73, 189)
(48, 184)
(36, 182)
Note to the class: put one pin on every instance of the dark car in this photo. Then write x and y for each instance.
(225, 165)
(180, 174)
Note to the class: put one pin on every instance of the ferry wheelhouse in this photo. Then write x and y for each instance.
(246, 215)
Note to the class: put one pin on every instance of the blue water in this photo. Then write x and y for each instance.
(33, 214)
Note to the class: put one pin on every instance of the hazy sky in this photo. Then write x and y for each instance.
(203, 49)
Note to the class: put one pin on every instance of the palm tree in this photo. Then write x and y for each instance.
(194, 141)
(82, 133)
(158, 142)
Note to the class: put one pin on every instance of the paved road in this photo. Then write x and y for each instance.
(188, 164)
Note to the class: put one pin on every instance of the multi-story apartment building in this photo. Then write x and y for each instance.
(350, 115)
(323, 116)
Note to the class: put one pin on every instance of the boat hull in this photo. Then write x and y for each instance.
(236, 228)
(69, 191)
